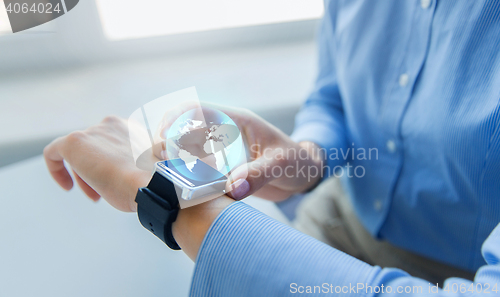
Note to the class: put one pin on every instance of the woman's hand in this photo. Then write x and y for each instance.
(103, 166)
(102, 163)
(274, 171)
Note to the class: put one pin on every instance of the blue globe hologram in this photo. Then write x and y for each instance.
(204, 135)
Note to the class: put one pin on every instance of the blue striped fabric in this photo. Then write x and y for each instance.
(246, 253)
(419, 81)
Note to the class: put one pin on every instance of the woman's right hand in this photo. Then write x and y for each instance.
(273, 171)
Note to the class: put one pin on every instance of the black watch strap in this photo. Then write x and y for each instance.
(157, 208)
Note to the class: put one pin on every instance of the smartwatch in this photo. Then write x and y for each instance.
(170, 190)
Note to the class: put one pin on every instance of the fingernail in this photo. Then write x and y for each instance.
(163, 154)
(240, 189)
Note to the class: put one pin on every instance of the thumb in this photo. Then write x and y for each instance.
(250, 177)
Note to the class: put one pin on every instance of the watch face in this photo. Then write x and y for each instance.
(203, 173)
(207, 135)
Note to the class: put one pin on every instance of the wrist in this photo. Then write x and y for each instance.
(316, 154)
(137, 180)
(192, 223)
(315, 160)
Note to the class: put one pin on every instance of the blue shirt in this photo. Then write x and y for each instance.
(420, 84)
(246, 253)
(417, 84)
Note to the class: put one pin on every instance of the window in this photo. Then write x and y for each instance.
(130, 19)
(119, 30)
(4, 21)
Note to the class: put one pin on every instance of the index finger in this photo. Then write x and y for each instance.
(55, 164)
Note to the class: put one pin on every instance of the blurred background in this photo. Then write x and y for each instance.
(111, 57)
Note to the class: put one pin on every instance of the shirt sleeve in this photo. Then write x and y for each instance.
(246, 253)
(321, 118)
(486, 281)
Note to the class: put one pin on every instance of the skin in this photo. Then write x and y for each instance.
(266, 146)
(102, 164)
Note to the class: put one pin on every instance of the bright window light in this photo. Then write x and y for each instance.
(128, 19)
(4, 20)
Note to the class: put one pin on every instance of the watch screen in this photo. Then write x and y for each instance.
(197, 175)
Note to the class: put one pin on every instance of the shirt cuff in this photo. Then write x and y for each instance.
(246, 253)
